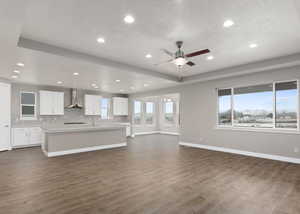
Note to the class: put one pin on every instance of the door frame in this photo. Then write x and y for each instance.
(9, 122)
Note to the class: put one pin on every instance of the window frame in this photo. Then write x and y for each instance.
(34, 117)
(145, 114)
(274, 128)
(175, 113)
(141, 113)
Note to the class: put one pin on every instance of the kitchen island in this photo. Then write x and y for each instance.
(75, 139)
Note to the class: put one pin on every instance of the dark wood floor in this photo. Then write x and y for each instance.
(152, 175)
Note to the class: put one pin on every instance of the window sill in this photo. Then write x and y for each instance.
(266, 130)
(28, 118)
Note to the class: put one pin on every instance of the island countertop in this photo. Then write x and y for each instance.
(81, 128)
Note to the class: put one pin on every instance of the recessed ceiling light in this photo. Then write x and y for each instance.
(228, 23)
(101, 40)
(129, 19)
(210, 57)
(122, 90)
(75, 74)
(59, 82)
(96, 86)
(118, 80)
(253, 45)
(14, 76)
(146, 85)
(16, 71)
(148, 56)
(20, 64)
(132, 87)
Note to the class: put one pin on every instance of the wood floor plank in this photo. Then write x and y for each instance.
(152, 175)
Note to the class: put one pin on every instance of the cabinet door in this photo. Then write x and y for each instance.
(116, 106)
(58, 103)
(97, 105)
(128, 131)
(120, 106)
(45, 103)
(35, 136)
(20, 137)
(124, 105)
(88, 105)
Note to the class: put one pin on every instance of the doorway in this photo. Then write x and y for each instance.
(5, 124)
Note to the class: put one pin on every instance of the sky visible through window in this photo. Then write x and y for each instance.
(286, 100)
(256, 107)
(137, 107)
(254, 101)
(169, 107)
(149, 107)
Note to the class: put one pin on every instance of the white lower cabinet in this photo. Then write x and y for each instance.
(128, 131)
(23, 137)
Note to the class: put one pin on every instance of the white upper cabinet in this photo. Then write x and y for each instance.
(92, 104)
(51, 103)
(120, 106)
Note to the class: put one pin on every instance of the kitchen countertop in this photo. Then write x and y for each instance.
(81, 128)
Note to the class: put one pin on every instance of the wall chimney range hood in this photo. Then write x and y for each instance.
(74, 100)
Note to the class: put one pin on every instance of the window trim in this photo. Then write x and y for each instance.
(255, 129)
(175, 116)
(133, 113)
(34, 117)
(153, 124)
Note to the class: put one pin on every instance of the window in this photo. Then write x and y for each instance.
(273, 105)
(137, 112)
(253, 106)
(28, 106)
(286, 104)
(149, 115)
(169, 111)
(105, 105)
(224, 114)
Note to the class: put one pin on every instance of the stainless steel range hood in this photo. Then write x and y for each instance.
(74, 100)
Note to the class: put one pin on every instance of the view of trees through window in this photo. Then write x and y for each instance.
(260, 106)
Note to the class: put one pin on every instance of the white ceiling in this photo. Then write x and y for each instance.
(48, 69)
(75, 24)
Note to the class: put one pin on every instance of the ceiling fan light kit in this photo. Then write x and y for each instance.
(181, 59)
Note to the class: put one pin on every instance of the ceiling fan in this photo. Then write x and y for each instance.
(179, 58)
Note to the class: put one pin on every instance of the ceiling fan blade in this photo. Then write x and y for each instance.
(161, 63)
(168, 52)
(197, 53)
(190, 63)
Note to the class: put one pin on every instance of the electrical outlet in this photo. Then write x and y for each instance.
(296, 149)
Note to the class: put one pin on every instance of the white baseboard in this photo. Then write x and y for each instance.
(87, 149)
(169, 133)
(146, 133)
(155, 132)
(241, 152)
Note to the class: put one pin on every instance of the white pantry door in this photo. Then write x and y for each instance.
(4, 116)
